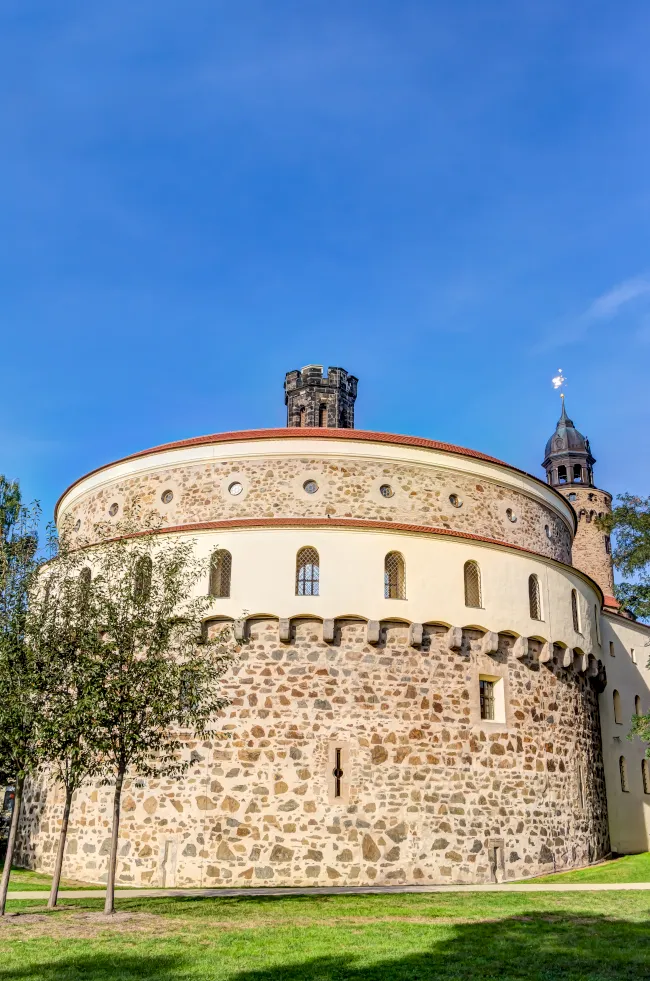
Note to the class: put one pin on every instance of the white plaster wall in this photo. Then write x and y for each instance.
(629, 813)
(352, 581)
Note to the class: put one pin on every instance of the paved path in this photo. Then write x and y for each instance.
(333, 890)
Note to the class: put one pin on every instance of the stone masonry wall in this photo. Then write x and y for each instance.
(347, 488)
(427, 788)
(590, 553)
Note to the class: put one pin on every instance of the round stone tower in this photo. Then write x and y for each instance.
(569, 464)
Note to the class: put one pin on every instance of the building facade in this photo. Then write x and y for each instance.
(429, 687)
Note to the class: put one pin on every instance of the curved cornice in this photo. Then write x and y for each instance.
(360, 435)
(358, 524)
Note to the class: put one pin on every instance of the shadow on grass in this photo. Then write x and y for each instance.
(536, 947)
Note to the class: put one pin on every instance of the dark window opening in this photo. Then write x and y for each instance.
(487, 699)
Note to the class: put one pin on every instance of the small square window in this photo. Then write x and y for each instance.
(492, 699)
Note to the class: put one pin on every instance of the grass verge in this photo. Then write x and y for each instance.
(629, 868)
(405, 937)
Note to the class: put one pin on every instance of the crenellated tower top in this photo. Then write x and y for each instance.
(318, 400)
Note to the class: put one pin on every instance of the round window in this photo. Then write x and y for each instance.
(386, 490)
(167, 496)
(114, 508)
(77, 524)
(235, 488)
(455, 501)
(310, 486)
(510, 515)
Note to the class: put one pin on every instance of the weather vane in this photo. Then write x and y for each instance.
(559, 381)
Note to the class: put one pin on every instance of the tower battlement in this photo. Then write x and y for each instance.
(315, 399)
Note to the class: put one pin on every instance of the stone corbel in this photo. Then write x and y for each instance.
(285, 631)
(373, 631)
(490, 643)
(520, 647)
(567, 658)
(454, 638)
(415, 635)
(546, 653)
(580, 662)
(329, 628)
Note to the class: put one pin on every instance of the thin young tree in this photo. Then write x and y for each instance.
(160, 673)
(67, 645)
(20, 682)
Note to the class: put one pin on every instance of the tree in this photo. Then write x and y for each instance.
(67, 645)
(160, 673)
(630, 522)
(20, 679)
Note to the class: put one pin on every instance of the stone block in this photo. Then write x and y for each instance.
(329, 628)
(520, 647)
(415, 635)
(454, 638)
(373, 632)
(490, 642)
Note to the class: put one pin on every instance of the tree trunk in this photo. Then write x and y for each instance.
(4, 885)
(56, 879)
(109, 905)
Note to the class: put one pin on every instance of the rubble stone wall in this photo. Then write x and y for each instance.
(429, 793)
(349, 487)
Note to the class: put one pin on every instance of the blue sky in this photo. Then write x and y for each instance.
(449, 199)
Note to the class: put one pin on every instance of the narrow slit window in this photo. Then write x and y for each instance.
(597, 623)
(394, 576)
(534, 598)
(322, 417)
(618, 719)
(637, 705)
(581, 788)
(574, 611)
(612, 649)
(307, 572)
(622, 766)
(645, 773)
(337, 772)
(220, 573)
(472, 575)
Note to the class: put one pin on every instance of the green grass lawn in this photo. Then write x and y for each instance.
(407, 937)
(22, 880)
(629, 868)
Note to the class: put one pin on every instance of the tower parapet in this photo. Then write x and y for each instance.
(317, 400)
(569, 464)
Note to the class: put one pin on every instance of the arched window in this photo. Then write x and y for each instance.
(622, 765)
(322, 416)
(472, 575)
(574, 611)
(220, 570)
(142, 579)
(617, 708)
(561, 474)
(645, 773)
(303, 416)
(637, 705)
(307, 572)
(85, 577)
(577, 473)
(534, 598)
(394, 576)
